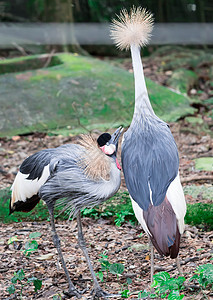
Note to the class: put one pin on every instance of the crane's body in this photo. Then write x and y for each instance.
(55, 174)
(150, 176)
(75, 175)
(149, 153)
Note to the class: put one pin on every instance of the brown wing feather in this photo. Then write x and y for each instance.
(95, 163)
(162, 223)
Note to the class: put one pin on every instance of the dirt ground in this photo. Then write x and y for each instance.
(123, 244)
(14, 151)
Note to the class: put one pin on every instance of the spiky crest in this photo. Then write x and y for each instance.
(95, 163)
(132, 28)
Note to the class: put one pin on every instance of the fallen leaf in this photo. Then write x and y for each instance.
(16, 138)
(45, 256)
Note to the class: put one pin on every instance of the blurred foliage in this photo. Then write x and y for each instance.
(101, 11)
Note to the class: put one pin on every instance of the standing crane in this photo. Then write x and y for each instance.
(149, 154)
(77, 176)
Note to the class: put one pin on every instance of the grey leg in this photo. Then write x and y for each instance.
(152, 259)
(178, 266)
(152, 262)
(97, 290)
(72, 290)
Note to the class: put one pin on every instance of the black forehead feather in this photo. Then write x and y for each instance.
(103, 139)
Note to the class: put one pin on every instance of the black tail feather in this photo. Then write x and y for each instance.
(25, 206)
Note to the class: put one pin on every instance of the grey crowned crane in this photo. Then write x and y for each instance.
(78, 175)
(149, 153)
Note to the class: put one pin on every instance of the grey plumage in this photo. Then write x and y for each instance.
(149, 153)
(70, 183)
(76, 176)
(150, 163)
(149, 159)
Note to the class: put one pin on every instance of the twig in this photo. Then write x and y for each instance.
(189, 259)
(19, 48)
(49, 58)
(197, 178)
(191, 287)
(4, 270)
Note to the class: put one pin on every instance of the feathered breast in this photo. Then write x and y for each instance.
(93, 161)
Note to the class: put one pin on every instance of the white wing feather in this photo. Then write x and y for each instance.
(176, 197)
(24, 188)
(139, 215)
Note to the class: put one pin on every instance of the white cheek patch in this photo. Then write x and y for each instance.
(108, 149)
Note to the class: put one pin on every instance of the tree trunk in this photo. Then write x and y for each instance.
(61, 11)
(200, 11)
(160, 11)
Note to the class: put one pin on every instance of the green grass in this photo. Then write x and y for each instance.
(39, 213)
(200, 214)
(118, 209)
(119, 203)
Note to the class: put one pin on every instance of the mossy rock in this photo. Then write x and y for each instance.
(80, 92)
(25, 63)
(182, 80)
(211, 73)
(204, 163)
(209, 103)
(204, 191)
(197, 125)
(194, 120)
(175, 57)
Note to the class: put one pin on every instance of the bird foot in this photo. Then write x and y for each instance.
(99, 293)
(74, 293)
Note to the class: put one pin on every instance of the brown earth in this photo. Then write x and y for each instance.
(122, 244)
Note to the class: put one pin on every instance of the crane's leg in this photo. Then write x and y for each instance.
(178, 266)
(152, 259)
(72, 290)
(97, 290)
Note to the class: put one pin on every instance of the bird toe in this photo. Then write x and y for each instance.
(73, 293)
(99, 293)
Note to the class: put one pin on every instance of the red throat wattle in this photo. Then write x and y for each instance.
(117, 164)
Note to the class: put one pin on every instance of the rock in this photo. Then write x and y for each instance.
(169, 72)
(24, 109)
(182, 80)
(193, 92)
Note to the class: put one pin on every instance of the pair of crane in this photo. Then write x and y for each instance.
(86, 174)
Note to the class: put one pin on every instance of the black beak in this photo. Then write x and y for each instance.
(115, 136)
